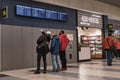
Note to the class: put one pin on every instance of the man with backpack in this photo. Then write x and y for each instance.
(109, 45)
(42, 50)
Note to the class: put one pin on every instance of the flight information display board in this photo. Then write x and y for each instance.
(38, 13)
(23, 10)
(62, 16)
(52, 15)
(32, 12)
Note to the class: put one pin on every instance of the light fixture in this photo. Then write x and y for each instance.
(84, 28)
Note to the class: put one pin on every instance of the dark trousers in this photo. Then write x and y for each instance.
(63, 59)
(109, 56)
(118, 53)
(39, 60)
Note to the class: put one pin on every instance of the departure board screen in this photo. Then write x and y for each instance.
(38, 13)
(52, 15)
(62, 16)
(23, 10)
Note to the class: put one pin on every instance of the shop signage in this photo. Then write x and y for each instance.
(89, 19)
(5, 12)
(110, 26)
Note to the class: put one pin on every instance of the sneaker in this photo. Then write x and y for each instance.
(53, 70)
(44, 72)
(62, 69)
(109, 64)
(65, 68)
(37, 72)
(58, 70)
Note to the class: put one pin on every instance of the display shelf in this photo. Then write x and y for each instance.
(94, 42)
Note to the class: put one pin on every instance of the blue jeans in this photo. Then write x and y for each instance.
(55, 62)
(109, 56)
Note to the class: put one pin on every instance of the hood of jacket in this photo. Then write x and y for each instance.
(109, 37)
(56, 38)
(63, 36)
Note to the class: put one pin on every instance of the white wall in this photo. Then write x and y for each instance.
(90, 5)
(84, 54)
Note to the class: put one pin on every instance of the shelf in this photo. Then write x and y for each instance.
(94, 42)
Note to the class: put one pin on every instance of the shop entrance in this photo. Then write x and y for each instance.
(92, 39)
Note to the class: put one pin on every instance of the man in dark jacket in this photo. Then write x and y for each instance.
(41, 52)
(63, 44)
(55, 46)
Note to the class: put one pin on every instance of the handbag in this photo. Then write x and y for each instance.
(40, 47)
(46, 48)
(43, 47)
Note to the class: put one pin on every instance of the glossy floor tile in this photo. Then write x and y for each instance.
(92, 70)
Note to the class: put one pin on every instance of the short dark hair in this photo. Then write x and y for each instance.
(62, 31)
(111, 31)
(59, 33)
(110, 34)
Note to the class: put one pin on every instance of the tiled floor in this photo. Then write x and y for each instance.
(93, 70)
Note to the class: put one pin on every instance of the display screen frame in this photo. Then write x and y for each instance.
(37, 14)
(26, 11)
(51, 15)
(62, 16)
(23, 10)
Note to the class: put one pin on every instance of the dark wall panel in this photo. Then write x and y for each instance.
(28, 21)
(19, 34)
(116, 24)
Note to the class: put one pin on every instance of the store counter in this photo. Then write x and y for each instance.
(84, 54)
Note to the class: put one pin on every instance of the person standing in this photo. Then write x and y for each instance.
(63, 44)
(115, 55)
(108, 45)
(118, 48)
(54, 49)
(42, 50)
